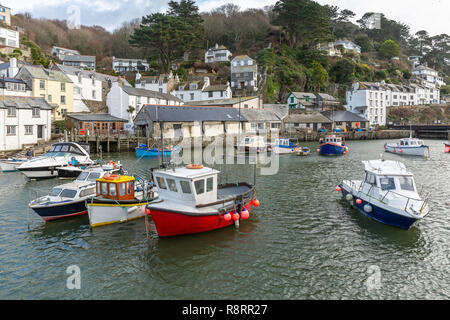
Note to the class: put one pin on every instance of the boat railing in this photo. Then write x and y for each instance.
(251, 191)
(407, 199)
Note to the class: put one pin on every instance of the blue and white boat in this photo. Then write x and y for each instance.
(142, 151)
(388, 194)
(285, 146)
(332, 145)
(408, 146)
(11, 164)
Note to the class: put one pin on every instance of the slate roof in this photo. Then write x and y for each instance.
(343, 116)
(191, 113)
(149, 93)
(3, 82)
(216, 87)
(47, 74)
(79, 58)
(281, 110)
(222, 102)
(98, 117)
(307, 118)
(254, 115)
(24, 102)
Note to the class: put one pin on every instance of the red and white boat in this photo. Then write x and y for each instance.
(447, 146)
(191, 201)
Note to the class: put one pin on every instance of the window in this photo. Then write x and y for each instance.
(370, 178)
(387, 183)
(11, 111)
(87, 192)
(28, 130)
(192, 96)
(94, 94)
(130, 187)
(63, 87)
(209, 184)
(406, 183)
(68, 193)
(172, 185)
(49, 98)
(10, 130)
(63, 99)
(122, 189)
(199, 186)
(185, 186)
(161, 183)
(42, 84)
(112, 189)
(94, 176)
(104, 188)
(210, 94)
(55, 192)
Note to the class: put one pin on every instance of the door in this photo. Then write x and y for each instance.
(40, 132)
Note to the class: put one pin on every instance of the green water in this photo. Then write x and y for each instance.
(303, 242)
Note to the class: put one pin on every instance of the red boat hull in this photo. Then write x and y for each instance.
(174, 223)
(447, 148)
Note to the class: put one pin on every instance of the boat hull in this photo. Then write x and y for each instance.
(447, 148)
(330, 149)
(9, 165)
(144, 152)
(381, 214)
(39, 173)
(49, 213)
(405, 150)
(104, 213)
(69, 172)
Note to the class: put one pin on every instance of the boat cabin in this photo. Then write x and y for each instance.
(386, 175)
(188, 186)
(285, 143)
(115, 187)
(411, 142)
(332, 139)
(253, 141)
(66, 148)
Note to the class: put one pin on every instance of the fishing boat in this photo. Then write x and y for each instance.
(252, 143)
(407, 146)
(73, 170)
(388, 194)
(11, 164)
(332, 145)
(68, 199)
(142, 151)
(119, 198)
(304, 151)
(59, 155)
(447, 147)
(285, 146)
(191, 201)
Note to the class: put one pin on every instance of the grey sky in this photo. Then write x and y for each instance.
(430, 15)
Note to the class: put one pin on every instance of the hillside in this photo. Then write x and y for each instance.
(285, 47)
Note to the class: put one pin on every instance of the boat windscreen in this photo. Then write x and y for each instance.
(93, 176)
(406, 183)
(55, 192)
(68, 193)
(387, 183)
(82, 176)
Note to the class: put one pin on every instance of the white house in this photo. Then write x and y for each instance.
(23, 121)
(163, 83)
(429, 75)
(9, 38)
(121, 97)
(124, 65)
(330, 49)
(201, 90)
(244, 73)
(14, 87)
(348, 45)
(11, 68)
(87, 85)
(217, 54)
(61, 52)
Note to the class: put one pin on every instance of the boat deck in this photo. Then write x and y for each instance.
(231, 191)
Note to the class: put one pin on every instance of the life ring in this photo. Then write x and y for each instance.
(111, 163)
(112, 177)
(194, 166)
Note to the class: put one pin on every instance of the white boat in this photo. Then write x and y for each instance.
(407, 146)
(11, 164)
(285, 146)
(59, 155)
(68, 199)
(72, 171)
(119, 199)
(252, 143)
(387, 194)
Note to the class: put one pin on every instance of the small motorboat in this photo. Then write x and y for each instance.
(407, 146)
(252, 143)
(142, 151)
(72, 170)
(304, 151)
(191, 201)
(119, 198)
(68, 199)
(332, 145)
(11, 164)
(447, 147)
(285, 146)
(59, 155)
(388, 194)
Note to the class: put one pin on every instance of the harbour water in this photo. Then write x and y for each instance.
(303, 242)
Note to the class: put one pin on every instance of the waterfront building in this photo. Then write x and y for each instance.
(252, 102)
(95, 123)
(346, 120)
(120, 65)
(217, 54)
(188, 121)
(201, 90)
(60, 52)
(52, 85)
(244, 74)
(260, 121)
(24, 121)
(312, 121)
(325, 101)
(79, 61)
(302, 100)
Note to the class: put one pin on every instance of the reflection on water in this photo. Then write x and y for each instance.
(303, 242)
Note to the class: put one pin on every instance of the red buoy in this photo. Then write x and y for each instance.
(235, 216)
(338, 189)
(227, 217)
(358, 201)
(244, 214)
(148, 212)
(256, 203)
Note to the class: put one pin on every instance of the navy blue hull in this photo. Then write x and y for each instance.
(382, 215)
(62, 211)
(331, 149)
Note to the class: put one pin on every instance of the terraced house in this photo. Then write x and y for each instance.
(54, 86)
(244, 73)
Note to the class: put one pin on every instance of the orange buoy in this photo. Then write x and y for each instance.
(148, 212)
(111, 177)
(244, 214)
(358, 201)
(338, 189)
(227, 216)
(235, 216)
(194, 166)
(256, 203)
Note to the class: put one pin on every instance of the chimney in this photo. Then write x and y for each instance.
(217, 46)
(13, 69)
